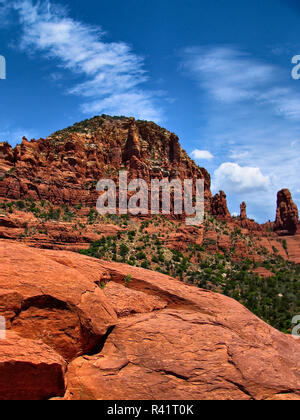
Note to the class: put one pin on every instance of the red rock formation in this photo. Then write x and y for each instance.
(6, 158)
(45, 298)
(65, 167)
(170, 340)
(243, 215)
(53, 234)
(219, 206)
(249, 225)
(133, 146)
(263, 272)
(198, 331)
(29, 370)
(287, 215)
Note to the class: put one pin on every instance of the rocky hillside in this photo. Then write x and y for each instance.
(65, 167)
(81, 328)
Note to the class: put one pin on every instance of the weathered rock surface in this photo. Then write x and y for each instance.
(179, 354)
(6, 158)
(44, 297)
(201, 346)
(219, 206)
(168, 340)
(127, 302)
(243, 214)
(287, 215)
(29, 370)
(263, 272)
(53, 234)
(293, 247)
(65, 167)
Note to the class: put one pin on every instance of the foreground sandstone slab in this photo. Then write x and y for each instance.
(152, 337)
(179, 354)
(202, 346)
(43, 298)
(29, 370)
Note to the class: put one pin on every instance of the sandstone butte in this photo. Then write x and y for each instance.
(65, 167)
(77, 328)
(151, 338)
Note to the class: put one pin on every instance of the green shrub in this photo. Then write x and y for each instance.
(128, 279)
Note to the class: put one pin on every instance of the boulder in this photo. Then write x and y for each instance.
(29, 370)
(201, 346)
(43, 297)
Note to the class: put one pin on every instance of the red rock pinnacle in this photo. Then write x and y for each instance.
(287, 214)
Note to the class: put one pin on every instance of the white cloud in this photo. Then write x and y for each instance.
(285, 101)
(238, 154)
(231, 76)
(233, 178)
(113, 74)
(228, 75)
(4, 12)
(138, 104)
(14, 135)
(201, 155)
(256, 125)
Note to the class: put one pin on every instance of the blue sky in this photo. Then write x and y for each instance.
(216, 72)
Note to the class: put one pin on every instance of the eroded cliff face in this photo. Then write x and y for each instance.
(65, 167)
(287, 215)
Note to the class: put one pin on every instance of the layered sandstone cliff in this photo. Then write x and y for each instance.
(65, 167)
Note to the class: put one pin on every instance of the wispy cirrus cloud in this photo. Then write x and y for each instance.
(14, 135)
(231, 76)
(227, 74)
(252, 109)
(112, 75)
